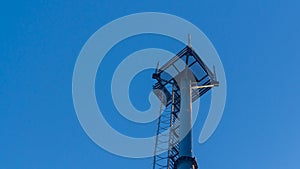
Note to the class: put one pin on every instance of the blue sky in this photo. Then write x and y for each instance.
(258, 42)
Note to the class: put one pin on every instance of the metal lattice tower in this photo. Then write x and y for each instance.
(188, 74)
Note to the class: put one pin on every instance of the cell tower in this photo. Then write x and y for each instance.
(180, 82)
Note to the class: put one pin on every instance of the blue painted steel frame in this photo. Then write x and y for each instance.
(180, 97)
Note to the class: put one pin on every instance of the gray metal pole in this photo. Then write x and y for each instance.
(185, 116)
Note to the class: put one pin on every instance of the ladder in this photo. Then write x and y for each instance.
(166, 150)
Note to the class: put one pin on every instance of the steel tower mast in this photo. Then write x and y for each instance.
(182, 80)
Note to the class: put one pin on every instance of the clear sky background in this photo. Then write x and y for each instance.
(258, 43)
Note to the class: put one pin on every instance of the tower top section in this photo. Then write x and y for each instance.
(202, 77)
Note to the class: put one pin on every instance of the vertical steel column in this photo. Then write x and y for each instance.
(185, 116)
(170, 133)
